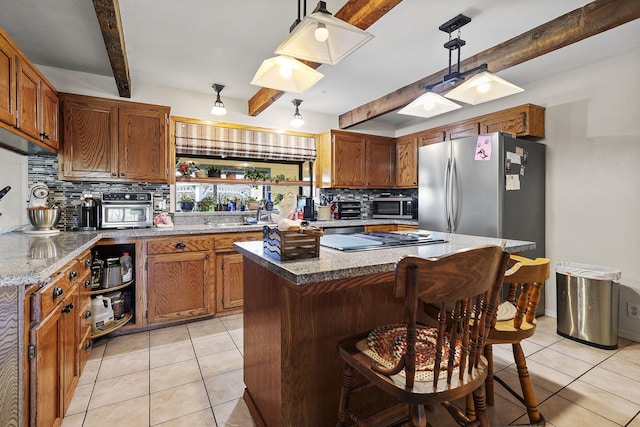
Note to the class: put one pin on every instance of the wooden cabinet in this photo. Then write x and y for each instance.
(380, 162)
(229, 279)
(114, 141)
(407, 162)
(348, 160)
(7, 81)
(390, 227)
(54, 368)
(83, 312)
(353, 160)
(462, 129)
(524, 120)
(431, 136)
(37, 105)
(180, 278)
(28, 103)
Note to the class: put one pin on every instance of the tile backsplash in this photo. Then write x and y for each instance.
(68, 194)
(364, 196)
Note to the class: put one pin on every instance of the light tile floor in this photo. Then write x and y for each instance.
(191, 375)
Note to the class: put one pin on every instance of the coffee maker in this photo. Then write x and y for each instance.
(88, 215)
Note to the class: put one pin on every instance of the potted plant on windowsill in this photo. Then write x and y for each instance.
(187, 203)
(252, 203)
(213, 172)
(207, 204)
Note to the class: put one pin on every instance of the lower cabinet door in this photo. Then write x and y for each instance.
(180, 286)
(46, 381)
(229, 280)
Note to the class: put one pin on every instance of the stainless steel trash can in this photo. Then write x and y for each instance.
(587, 297)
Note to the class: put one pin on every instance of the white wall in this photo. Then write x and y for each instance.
(13, 172)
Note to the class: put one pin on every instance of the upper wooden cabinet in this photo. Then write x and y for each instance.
(7, 82)
(354, 160)
(109, 140)
(524, 120)
(28, 102)
(407, 162)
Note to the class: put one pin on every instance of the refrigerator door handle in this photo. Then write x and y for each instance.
(447, 176)
(453, 195)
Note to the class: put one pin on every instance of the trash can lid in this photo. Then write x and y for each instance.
(589, 271)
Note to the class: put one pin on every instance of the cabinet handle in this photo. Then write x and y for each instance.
(87, 345)
(113, 174)
(87, 314)
(87, 283)
(67, 308)
(180, 245)
(206, 257)
(121, 173)
(73, 274)
(45, 135)
(87, 261)
(57, 292)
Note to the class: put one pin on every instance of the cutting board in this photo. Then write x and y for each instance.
(345, 241)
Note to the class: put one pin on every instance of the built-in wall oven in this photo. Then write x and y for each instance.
(126, 210)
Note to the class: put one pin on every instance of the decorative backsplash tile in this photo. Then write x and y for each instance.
(68, 194)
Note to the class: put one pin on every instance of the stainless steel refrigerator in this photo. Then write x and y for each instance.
(488, 185)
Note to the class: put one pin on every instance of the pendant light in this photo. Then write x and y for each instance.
(483, 86)
(321, 37)
(286, 74)
(297, 120)
(429, 104)
(218, 106)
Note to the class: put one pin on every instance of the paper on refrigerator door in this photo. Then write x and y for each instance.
(513, 182)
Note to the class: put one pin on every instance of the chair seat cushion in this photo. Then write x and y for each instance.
(387, 344)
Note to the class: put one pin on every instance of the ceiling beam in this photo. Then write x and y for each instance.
(587, 21)
(359, 13)
(108, 13)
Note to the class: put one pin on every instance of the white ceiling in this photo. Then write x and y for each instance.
(191, 44)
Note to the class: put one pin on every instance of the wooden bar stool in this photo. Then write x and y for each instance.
(514, 322)
(419, 365)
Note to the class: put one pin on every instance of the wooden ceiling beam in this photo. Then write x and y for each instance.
(108, 13)
(359, 13)
(584, 22)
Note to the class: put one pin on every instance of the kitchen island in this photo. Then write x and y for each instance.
(296, 311)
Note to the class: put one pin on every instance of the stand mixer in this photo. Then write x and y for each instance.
(43, 217)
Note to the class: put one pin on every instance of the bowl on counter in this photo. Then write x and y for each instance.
(43, 218)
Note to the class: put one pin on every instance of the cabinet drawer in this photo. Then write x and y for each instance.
(179, 244)
(224, 242)
(84, 264)
(58, 288)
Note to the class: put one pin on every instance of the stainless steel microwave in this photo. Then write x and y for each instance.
(394, 207)
(126, 210)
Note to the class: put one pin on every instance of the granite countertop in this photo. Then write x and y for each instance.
(26, 259)
(334, 264)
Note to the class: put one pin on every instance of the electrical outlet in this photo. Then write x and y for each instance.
(633, 310)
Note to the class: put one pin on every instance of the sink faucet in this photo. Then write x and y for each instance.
(259, 211)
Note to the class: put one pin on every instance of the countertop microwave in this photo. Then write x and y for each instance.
(394, 208)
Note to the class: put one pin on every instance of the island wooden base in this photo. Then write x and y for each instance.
(292, 371)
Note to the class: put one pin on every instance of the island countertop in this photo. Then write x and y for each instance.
(334, 264)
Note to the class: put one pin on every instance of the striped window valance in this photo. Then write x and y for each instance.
(210, 140)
